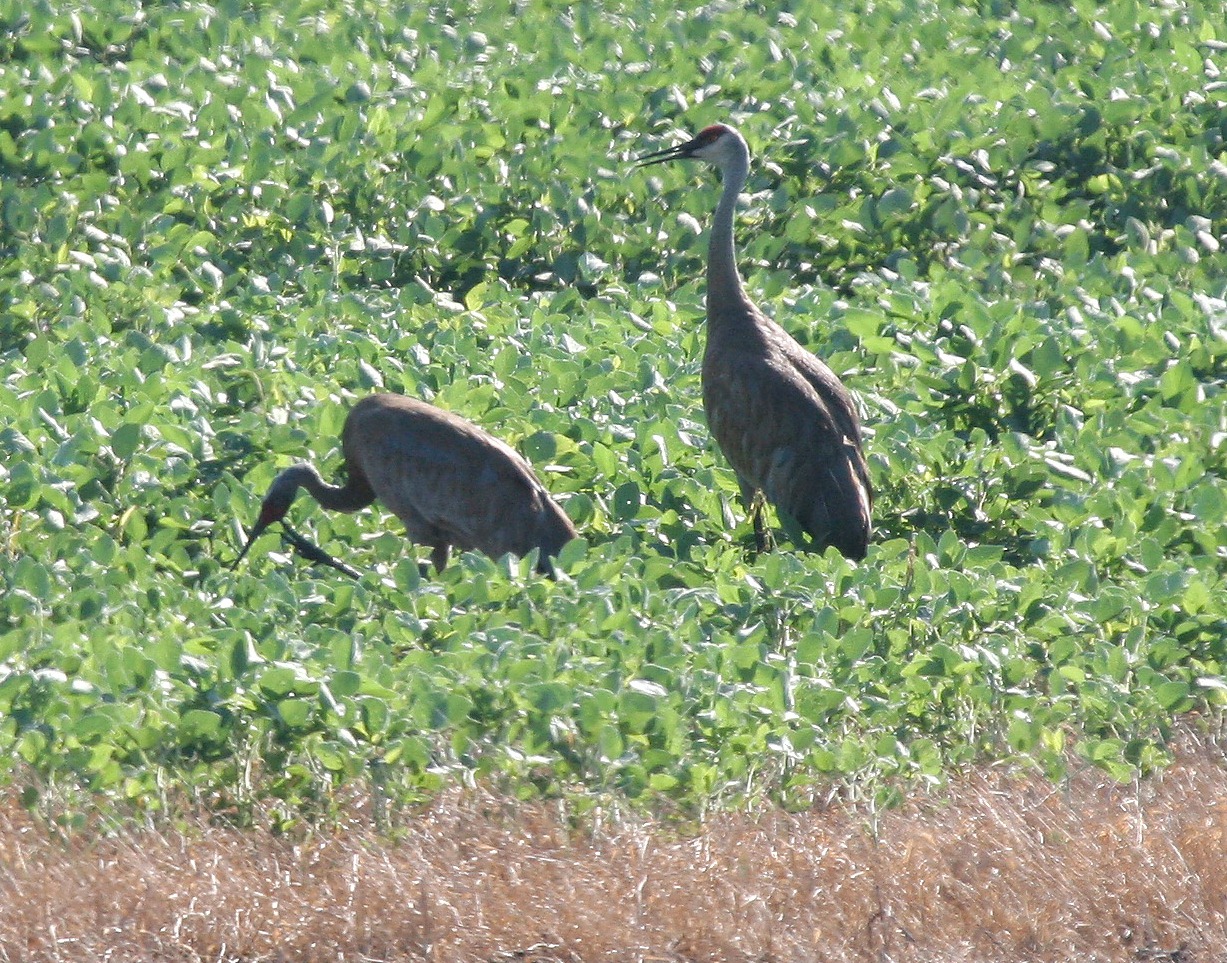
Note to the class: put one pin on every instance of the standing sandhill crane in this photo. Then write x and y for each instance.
(446, 479)
(782, 418)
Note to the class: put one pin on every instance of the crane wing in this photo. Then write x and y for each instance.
(448, 480)
(789, 428)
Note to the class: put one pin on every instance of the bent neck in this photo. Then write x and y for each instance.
(338, 498)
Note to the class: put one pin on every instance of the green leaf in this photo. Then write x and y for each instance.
(1173, 696)
(346, 683)
(295, 713)
(125, 440)
(627, 501)
(200, 725)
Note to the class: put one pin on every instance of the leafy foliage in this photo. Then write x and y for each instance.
(222, 223)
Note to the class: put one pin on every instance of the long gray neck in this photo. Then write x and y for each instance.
(338, 498)
(723, 281)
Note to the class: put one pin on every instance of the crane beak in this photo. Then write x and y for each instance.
(680, 152)
(256, 532)
(312, 552)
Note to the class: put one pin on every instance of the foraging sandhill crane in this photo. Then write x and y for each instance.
(451, 483)
(782, 418)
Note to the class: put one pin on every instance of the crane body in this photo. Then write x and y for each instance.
(452, 484)
(783, 419)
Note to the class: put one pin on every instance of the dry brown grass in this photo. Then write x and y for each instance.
(999, 868)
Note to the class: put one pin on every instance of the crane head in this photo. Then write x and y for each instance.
(709, 144)
(273, 509)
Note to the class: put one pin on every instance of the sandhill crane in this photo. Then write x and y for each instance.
(782, 418)
(451, 484)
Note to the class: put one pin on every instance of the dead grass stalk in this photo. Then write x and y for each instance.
(998, 868)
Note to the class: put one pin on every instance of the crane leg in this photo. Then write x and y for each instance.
(756, 506)
(764, 541)
(439, 554)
